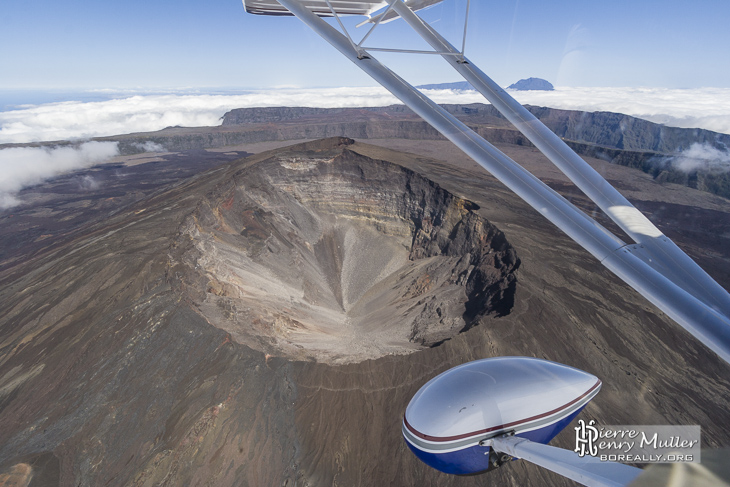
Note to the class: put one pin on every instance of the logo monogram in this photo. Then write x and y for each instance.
(585, 437)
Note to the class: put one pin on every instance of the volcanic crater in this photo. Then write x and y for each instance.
(324, 254)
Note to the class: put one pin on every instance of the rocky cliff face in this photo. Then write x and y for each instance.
(619, 138)
(620, 131)
(588, 132)
(339, 258)
(241, 116)
(612, 130)
(622, 139)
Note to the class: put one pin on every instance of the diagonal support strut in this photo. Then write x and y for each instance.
(704, 321)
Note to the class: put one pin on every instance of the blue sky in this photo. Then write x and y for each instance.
(84, 44)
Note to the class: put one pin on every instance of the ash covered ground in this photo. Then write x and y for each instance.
(336, 257)
(265, 321)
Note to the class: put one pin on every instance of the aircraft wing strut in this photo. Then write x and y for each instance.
(653, 265)
(586, 470)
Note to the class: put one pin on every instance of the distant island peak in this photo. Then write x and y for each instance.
(532, 84)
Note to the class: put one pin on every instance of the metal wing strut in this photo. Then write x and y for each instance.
(584, 470)
(653, 266)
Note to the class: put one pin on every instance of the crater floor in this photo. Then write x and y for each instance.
(335, 257)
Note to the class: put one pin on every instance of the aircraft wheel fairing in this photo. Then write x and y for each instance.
(452, 413)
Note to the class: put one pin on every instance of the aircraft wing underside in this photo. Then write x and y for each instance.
(319, 7)
(340, 7)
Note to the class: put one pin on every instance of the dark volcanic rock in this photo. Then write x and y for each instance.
(115, 371)
(625, 132)
(336, 257)
(606, 129)
(240, 116)
(622, 139)
(273, 114)
(530, 84)
(66, 204)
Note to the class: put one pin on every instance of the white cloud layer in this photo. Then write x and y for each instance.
(149, 146)
(21, 167)
(707, 108)
(701, 157)
(78, 120)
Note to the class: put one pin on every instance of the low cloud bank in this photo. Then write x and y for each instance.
(21, 167)
(149, 146)
(701, 157)
(79, 120)
(707, 108)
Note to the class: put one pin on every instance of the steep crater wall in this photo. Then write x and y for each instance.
(328, 255)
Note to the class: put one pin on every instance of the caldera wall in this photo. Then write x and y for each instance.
(340, 258)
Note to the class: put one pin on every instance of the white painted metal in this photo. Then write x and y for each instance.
(319, 7)
(466, 24)
(342, 26)
(413, 5)
(408, 51)
(586, 470)
(486, 398)
(655, 248)
(706, 323)
(341, 7)
(376, 22)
